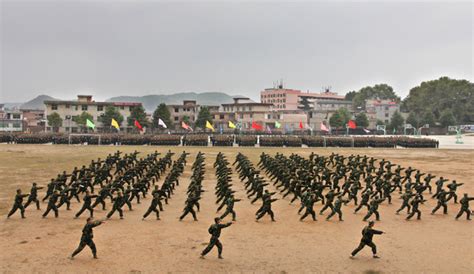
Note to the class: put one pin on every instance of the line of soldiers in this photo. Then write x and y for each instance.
(164, 193)
(307, 179)
(255, 185)
(120, 178)
(224, 192)
(195, 190)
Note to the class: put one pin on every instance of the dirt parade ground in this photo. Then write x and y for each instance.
(435, 244)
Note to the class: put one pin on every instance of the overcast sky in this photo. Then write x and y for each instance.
(111, 48)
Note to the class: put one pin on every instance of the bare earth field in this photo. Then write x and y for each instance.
(435, 244)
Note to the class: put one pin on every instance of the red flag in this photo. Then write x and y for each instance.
(324, 127)
(186, 126)
(256, 126)
(137, 124)
(351, 124)
(301, 125)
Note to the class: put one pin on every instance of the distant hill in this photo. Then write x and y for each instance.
(150, 102)
(37, 103)
(11, 105)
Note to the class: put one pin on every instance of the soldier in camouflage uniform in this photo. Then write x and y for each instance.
(33, 196)
(215, 231)
(367, 234)
(87, 238)
(465, 207)
(18, 204)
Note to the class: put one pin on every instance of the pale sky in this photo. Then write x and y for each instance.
(112, 48)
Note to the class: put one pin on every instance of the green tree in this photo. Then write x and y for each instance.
(428, 118)
(81, 120)
(110, 113)
(447, 118)
(413, 120)
(203, 116)
(397, 121)
(55, 121)
(442, 94)
(379, 123)
(137, 113)
(162, 112)
(381, 91)
(350, 95)
(361, 120)
(186, 119)
(340, 118)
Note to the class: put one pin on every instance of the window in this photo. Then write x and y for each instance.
(241, 116)
(130, 108)
(16, 125)
(76, 107)
(54, 107)
(100, 108)
(386, 114)
(250, 108)
(176, 118)
(84, 107)
(123, 107)
(221, 116)
(386, 108)
(284, 106)
(176, 109)
(16, 116)
(386, 121)
(68, 105)
(251, 115)
(67, 129)
(74, 129)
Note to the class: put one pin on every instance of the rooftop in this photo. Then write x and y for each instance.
(87, 100)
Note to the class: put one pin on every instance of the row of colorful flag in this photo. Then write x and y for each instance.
(350, 124)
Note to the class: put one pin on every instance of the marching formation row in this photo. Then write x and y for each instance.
(221, 140)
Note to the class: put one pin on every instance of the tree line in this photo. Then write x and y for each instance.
(439, 103)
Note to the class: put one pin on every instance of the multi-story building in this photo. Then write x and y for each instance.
(11, 120)
(291, 99)
(324, 109)
(67, 110)
(383, 110)
(243, 110)
(2, 111)
(289, 120)
(34, 120)
(189, 110)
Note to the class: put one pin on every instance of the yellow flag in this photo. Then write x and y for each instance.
(231, 125)
(209, 126)
(115, 124)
